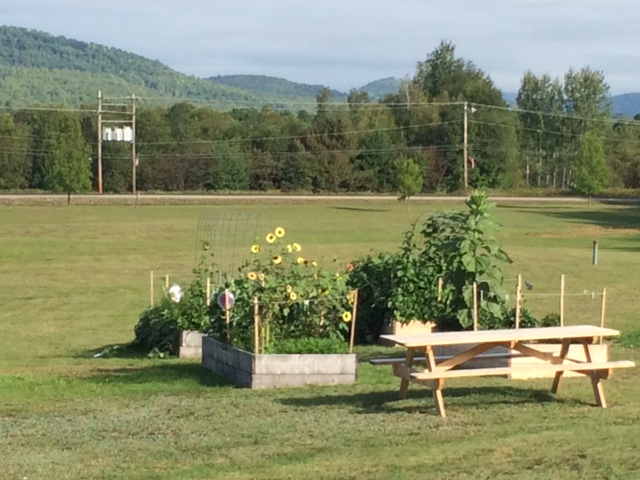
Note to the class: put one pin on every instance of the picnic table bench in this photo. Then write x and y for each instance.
(518, 343)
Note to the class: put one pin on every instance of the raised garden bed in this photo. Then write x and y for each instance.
(188, 344)
(249, 370)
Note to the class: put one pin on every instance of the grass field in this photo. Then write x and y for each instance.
(73, 280)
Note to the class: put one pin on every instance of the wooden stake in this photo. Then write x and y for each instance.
(440, 285)
(227, 314)
(151, 295)
(354, 314)
(475, 306)
(603, 311)
(518, 300)
(166, 281)
(256, 326)
(562, 300)
(208, 292)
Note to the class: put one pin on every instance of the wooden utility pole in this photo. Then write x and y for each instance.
(99, 159)
(134, 158)
(465, 145)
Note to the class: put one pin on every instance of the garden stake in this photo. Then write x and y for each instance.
(603, 311)
(440, 289)
(518, 300)
(166, 281)
(227, 314)
(354, 314)
(256, 326)
(562, 300)
(208, 292)
(151, 299)
(475, 306)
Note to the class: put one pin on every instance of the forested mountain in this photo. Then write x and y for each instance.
(265, 85)
(379, 88)
(36, 67)
(627, 104)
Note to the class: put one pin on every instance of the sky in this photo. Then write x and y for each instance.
(347, 43)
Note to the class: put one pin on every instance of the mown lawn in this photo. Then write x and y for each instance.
(73, 280)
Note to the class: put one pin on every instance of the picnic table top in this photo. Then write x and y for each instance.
(506, 335)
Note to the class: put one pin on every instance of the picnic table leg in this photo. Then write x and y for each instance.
(404, 383)
(564, 350)
(437, 384)
(596, 382)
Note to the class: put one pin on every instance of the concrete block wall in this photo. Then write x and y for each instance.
(248, 370)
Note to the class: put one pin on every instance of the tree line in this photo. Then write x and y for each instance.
(561, 135)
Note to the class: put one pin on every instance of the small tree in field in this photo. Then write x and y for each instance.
(592, 175)
(409, 178)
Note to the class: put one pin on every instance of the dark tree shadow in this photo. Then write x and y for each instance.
(387, 400)
(170, 372)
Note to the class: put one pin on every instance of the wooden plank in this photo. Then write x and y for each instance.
(404, 383)
(596, 382)
(500, 371)
(438, 398)
(495, 336)
(528, 351)
(468, 355)
(442, 358)
(557, 379)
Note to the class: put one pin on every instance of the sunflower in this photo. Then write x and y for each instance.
(289, 248)
(296, 247)
(261, 277)
(279, 232)
(255, 248)
(346, 317)
(271, 238)
(289, 289)
(292, 296)
(277, 260)
(300, 260)
(314, 264)
(351, 297)
(252, 276)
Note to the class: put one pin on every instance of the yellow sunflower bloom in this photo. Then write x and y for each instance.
(346, 317)
(289, 289)
(261, 277)
(296, 247)
(279, 232)
(255, 248)
(314, 264)
(271, 238)
(252, 276)
(300, 260)
(293, 296)
(277, 260)
(351, 297)
(289, 249)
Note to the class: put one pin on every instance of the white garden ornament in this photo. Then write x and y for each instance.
(175, 292)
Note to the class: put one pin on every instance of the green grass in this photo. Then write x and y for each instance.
(73, 280)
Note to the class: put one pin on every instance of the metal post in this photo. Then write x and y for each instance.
(595, 253)
(99, 141)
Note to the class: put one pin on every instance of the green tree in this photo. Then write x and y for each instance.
(408, 177)
(591, 173)
(15, 162)
(69, 165)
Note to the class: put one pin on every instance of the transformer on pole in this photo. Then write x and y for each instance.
(123, 119)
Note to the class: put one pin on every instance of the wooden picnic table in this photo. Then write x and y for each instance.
(516, 340)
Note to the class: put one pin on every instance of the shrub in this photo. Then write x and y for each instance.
(178, 310)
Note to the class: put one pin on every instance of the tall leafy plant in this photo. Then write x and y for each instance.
(469, 254)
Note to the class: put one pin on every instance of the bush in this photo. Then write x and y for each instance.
(179, 309)
(309, 345)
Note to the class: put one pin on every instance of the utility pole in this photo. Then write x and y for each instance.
(134, 158)
(465, 143)
(99, 141)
